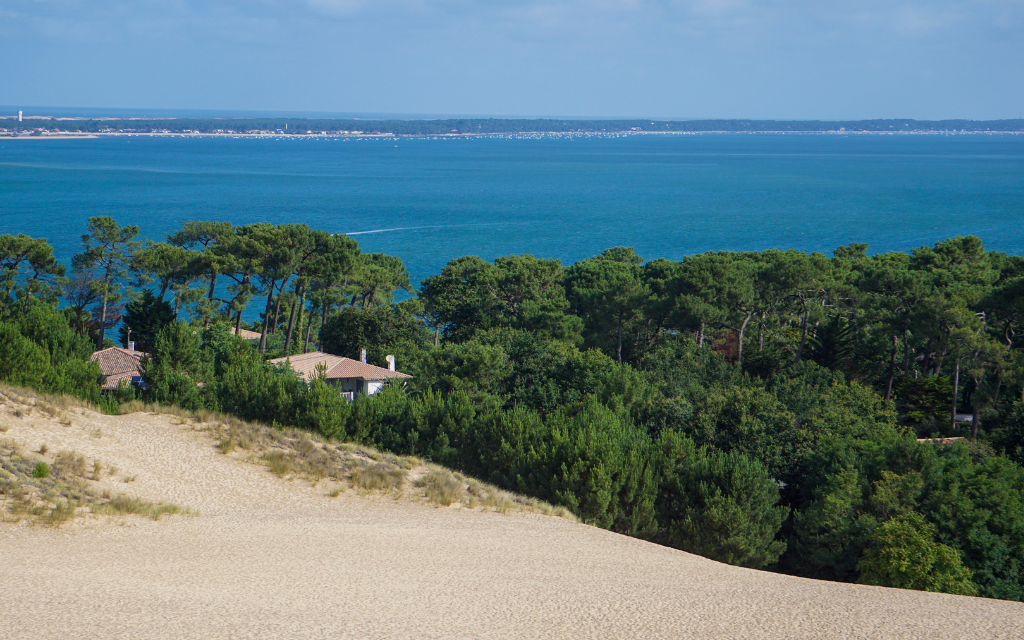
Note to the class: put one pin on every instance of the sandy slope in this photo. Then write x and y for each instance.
(268, 558)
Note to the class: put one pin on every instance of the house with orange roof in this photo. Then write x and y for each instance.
(349, 376)
(120, 366)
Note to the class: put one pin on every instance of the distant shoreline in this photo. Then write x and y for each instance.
(275, 127)
(538, 134)
(62, 136)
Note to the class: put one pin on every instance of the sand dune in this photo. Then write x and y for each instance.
(271, 558)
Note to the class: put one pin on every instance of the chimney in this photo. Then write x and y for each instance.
(131, 345)
(391, 362)
(362, 356)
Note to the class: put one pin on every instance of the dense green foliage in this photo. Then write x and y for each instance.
(40, 349)
(905, 555)
(719, 505)
(769, 409)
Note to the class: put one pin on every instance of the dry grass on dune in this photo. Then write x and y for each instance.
(343, 466)
(290, 454)
(51, 490)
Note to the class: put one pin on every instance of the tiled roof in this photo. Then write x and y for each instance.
(113, 382)
(305, 364)
(349, 368)
(245, 334)
(118, 364)
(117, 360)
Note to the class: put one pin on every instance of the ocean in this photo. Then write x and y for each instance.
(429, 200)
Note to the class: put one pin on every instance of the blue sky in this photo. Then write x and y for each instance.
(600, 58)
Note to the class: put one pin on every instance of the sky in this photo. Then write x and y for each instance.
(775, 59)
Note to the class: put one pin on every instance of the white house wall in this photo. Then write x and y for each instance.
(352, 385)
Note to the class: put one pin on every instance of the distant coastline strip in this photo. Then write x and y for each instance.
(41, 125)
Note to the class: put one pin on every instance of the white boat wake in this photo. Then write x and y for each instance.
(427, 226)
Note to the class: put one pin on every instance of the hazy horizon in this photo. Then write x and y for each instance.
(660, 59)
(30, 111)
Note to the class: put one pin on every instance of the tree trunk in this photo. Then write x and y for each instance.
(209, 296)
(975, 423)
(803, 339)
(103, 322)
(103, 312)
(700, 336)
(309, 328)
(238, 322)
(743, 329)
(926, 361)
(277, 313)
(956, 393)
(291, 325)
(277, 305)
(266, 320)
(323, 322)
(619, 350)
(906, 354)
(760, 334)
(892, 370)
(937, 362)
(299, 302)
(302, 307)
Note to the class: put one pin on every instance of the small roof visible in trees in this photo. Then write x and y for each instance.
(305, 364)
(245, 334)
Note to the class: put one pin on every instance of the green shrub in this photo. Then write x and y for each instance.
(718, 505)
(905, 555)
(42, 470)
(108, 405)
(177, 372)
(22, 362)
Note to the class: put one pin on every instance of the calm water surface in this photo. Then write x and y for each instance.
(431, 200)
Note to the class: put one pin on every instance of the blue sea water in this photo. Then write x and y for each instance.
(431, 200)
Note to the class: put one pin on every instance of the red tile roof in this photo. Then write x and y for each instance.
(305, 365)
(113, 382)
(118, 364)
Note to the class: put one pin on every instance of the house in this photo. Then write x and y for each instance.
(245, 334)
(348, 375)
(120, 365)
